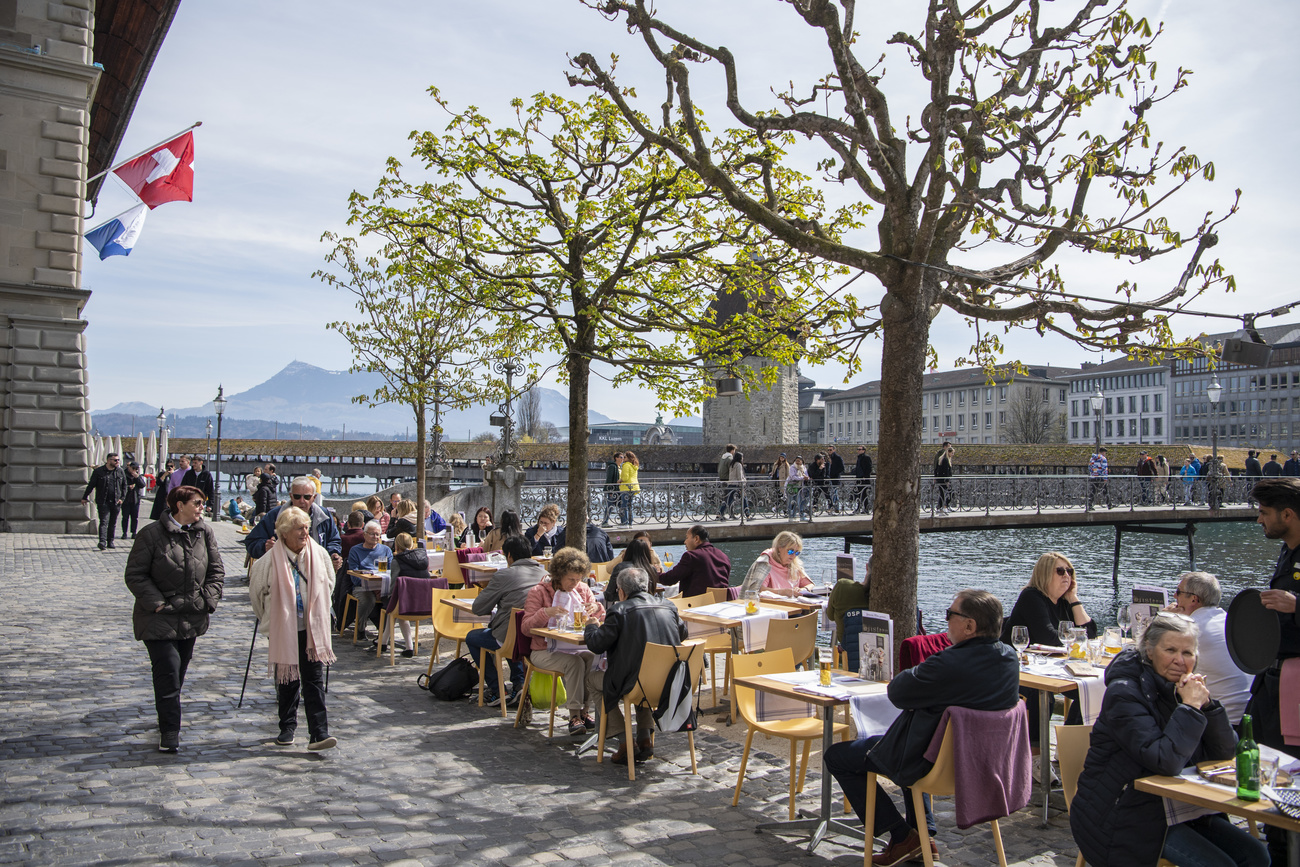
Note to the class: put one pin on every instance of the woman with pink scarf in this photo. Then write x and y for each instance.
(290, 588)
(779, 568)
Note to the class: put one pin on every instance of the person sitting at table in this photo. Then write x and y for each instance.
(459, 532)
(433, 522)
(480, 527)
(506, 589)
(542, 534)
(637, 555)
(848, 595)
(599, 550)
(636, 620)
(403, 520)
(1198, 597)
(552, 602)
(365, 558)
(978, 672)
(375, 506)
(654, 558)
(779, 568)
(353, 535)
(508, 526)
(409, 561)
(701, 567)
(1052, 595)
(1158, 718)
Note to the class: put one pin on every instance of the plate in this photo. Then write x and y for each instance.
(1253, 633)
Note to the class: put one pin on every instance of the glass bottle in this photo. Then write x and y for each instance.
(1247, 763)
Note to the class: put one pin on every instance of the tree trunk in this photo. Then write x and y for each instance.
(896, 520)
(421, 474)
(575, 519)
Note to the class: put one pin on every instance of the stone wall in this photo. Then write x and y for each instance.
(763, 417)
(45, 98)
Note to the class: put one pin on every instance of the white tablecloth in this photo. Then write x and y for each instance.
(753, 627)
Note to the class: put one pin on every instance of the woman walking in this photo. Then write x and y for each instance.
(290, 589)
(628, 487)
(175, 573)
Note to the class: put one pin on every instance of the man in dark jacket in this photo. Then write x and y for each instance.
(1254, 471)
(612, 469)
(862, 472)
(701, 567)
(834, 470)
(109, 484)
(599, 550)
(977, 672)
(1292, 465)
(636, 620)
(1146, 470)
(506, 589)
(199, 477)
(265, 497)
(323, 529)
(1272, 469)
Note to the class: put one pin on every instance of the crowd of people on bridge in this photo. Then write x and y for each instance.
(1173, 699)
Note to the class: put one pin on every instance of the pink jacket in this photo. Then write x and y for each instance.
(540, 598)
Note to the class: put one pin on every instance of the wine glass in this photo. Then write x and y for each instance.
(1122, 617)
(668, 560)
(1064, 630)
(1020, 639)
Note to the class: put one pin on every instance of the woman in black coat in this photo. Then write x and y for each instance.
(1158, 718)
(160, 492)
(264, 498)
(175, 572)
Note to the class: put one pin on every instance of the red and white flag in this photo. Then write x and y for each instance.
(165, 174)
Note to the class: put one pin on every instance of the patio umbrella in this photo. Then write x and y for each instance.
(151, 453)
(139, 449)
(164, 451)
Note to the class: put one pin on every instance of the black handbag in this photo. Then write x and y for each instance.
(453, 682)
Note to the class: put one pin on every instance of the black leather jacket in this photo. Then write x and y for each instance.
(628, 627)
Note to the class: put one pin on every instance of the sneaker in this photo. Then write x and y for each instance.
(325, 743)
(512, 700)
(576, 727)
(169, 742)
(907, 849)
(491, 699)
(285, 738)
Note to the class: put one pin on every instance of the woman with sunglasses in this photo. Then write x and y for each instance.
(1052, 595)
(779, 568)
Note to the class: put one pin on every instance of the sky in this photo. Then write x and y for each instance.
(302, 103)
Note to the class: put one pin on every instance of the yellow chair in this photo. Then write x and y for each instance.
(797, 633)
(1071, 749)
(807, 729)
(602, 571)
(451, 570)
(500, 657)
(685, 602)
(655, 664)
(941, 781)
(444, 626)
(349, 601)
(719, 594)
(388, 621)
(713, 645)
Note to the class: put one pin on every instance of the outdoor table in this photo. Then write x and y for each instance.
(478, 573)
(822, 824)
(1193, 790)
(374, 581)
(703, 621)
(465, 611)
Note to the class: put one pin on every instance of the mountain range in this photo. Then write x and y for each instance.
(317, 402)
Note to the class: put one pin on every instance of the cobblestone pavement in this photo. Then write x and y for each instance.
(413, 781)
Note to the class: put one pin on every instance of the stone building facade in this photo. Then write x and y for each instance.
(762, 417)
(47, 84)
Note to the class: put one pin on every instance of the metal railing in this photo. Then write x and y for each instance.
(706, 501)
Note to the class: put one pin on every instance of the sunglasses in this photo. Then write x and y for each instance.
(950, 614)
(1065, 570)
(303, 496)
(793, 552)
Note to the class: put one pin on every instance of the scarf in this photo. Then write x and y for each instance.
(782, 576)
(282, 615)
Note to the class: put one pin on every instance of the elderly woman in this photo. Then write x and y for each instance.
(290, 588)
(1052, 595)
(779, 568)
(1158, 718)
(549, 604)
(175, 573)
(366, 558)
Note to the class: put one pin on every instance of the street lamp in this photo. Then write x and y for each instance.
(207, 449)
(1098, 401)
(162, 458)
(1214, 392)
(218, 404)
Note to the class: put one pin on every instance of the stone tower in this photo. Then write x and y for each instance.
(760, 418)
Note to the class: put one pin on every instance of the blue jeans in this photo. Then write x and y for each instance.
(1213, 841)
(849, 763)
(625, 507)
(797, 502)
(483, 639)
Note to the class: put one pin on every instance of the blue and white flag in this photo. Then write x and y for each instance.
(118, 235)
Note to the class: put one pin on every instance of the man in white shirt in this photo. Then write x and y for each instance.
(1198, 596)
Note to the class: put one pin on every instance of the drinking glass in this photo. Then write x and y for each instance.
(546, 552)
(1122, 617)
(825, 658)
(579, 620)
(668, 560)
(1020, 639)
(382, 564)
(751, 602)
(1064, 630)
(1112, 640)
(1078, 643)
(1267, 770)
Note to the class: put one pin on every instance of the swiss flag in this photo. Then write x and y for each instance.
(165, 174)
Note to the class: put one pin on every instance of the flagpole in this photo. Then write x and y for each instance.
(197, 123)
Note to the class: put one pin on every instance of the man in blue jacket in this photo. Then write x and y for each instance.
(323, 529)
(977, 672)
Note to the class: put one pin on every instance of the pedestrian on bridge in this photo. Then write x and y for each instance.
(834, 472)
(1098, 478)
(628, 486)
(943, 476)
(862, 474)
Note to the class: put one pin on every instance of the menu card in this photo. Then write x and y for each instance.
(876, 647)
(1147, 594)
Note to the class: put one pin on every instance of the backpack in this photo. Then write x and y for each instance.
(676, 710)
(453, 682)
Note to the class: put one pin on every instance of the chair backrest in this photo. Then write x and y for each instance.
(752, 665)
(470, 555)
(1072, 744)
(719, 594)
(797, 633)
(658, 660)
(942, 778)
(684, 602)
(451, 570)
(914, 650)
(407, 597)
(516, 614)
(442, 621)
(602, 571)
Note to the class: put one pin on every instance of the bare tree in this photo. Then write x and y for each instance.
(1034, 418)
(530, 412)
(1026, 137)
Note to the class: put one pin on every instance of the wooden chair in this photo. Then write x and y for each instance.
(941, 781)
(387, 619)
(719, 594)
(713, 645)
(655, 664)
(797, 633)
(685, 602)
(807, 729)
(529, 670)
(1071, 749)
(501, 656)
(451, 570)
(603, 571)
(343, 624)
(444, 626)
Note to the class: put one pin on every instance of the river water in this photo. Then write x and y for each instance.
(1001, 561)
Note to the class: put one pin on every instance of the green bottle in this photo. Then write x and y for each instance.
(1247, 763)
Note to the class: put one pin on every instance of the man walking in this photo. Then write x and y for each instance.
(1292, 466)
(1098, 478)
(862, 473)
(1272, 469)
(109, 484)
(199, 478)
(612, 469)
(943, 476)
(1146, 470)
(724, 475)
(834, 470)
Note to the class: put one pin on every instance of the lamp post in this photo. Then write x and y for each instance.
(207, 449)
(218, 404)
(1098, 400)
(1214, 392)
(162, 458)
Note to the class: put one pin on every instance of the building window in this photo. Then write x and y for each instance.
(1146, 406)
(934, 422)
(1132, 403)
(1002, 394)
(1146, 427)
(961, 398)
(1074, 409)
(1132, 427)
(1085, 430)
(1159, 400)
(1160, 427)
(868, 428)
(1002, 417)
(947, 398)
(947, 422)
(988, 421)
(923, 425)
(1108, 429)
(1074, 430)
(988, 396)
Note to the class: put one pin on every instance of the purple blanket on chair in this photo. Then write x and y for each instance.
(413, 596)
(991, 754)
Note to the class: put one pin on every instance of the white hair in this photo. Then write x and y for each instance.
(303, 482)
(375, 524)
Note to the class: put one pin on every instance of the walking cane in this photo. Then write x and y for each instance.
(249, 665)
(327, 680)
